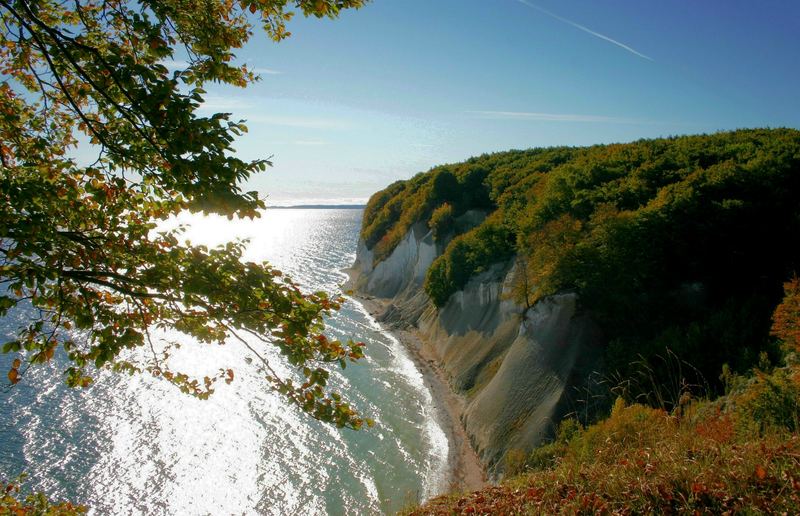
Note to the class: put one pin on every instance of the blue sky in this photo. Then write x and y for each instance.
(347, 106)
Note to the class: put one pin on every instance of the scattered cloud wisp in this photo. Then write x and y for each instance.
(300, 142)
(297, 121)
(219, 104)
(584, 29)
(551, 117)
(174, 64)
(250, 110)
(266, 71)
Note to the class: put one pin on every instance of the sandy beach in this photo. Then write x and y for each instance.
(466, 471)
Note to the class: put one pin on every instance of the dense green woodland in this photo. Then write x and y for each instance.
(676, 243)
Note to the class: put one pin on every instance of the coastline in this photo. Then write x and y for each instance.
(466, 472)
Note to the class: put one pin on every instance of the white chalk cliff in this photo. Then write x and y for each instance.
(518, 369)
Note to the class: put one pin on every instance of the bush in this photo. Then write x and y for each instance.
(786, 319)
(441, 221)
(467, 255)
(771, 402)
(385, 216)
(437, 284)
(515, 461)
(547, 455)
(644, 461)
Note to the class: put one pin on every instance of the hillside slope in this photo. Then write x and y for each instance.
(528, 271)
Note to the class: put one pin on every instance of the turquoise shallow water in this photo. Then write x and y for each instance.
(137, 445)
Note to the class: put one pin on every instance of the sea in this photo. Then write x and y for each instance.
(137, 445)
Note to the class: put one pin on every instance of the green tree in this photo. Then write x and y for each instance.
(77, 243)
(441, 222)
(786, 318)
(445, 187)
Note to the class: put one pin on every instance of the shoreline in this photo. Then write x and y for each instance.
(465, 473)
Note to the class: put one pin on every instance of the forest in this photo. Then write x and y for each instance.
(675, 246)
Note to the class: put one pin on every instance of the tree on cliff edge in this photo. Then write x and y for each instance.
(77, 246)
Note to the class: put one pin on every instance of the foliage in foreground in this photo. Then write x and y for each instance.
(736, 454)
(79, 252)
(642, 460)
(13, 503)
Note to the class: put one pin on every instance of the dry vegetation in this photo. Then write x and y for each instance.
(737, 454)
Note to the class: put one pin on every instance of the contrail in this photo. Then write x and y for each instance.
(584, 29)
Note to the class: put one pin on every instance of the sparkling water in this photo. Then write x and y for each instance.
(131, 445)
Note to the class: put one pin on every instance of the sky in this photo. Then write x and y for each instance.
(347, 106)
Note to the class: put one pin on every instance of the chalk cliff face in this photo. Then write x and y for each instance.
(518, 369)
(406, 267)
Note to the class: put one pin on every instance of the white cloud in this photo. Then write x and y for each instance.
(296, 121)
(266, 71)
(300, 142)
(218, 104)
(251, 109)
(552, 117)
(175, 64)
(584, 29)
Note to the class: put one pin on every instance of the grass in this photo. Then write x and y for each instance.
(738, 454)
(642, 460)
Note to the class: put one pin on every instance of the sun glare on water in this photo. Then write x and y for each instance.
(136, 444)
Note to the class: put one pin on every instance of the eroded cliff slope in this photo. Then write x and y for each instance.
(518, 369)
